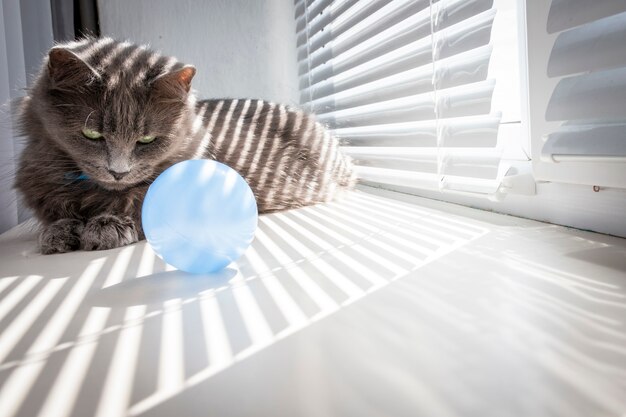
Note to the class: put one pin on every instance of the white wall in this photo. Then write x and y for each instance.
(241, 48)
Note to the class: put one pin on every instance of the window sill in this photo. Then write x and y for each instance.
(382, 303)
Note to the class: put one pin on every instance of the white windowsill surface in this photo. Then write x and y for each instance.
(382, 304)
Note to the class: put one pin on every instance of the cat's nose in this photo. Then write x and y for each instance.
(118, 175)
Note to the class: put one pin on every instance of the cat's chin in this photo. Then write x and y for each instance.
(114, 186)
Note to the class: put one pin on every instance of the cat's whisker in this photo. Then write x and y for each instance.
(82, 106)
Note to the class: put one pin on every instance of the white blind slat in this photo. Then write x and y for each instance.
(470, 162)
(478, 131)
(399, 178)
(428, 181)
(449, 12)
(596, 95)
(591, 142)
(465, 68)
(463, 36)
(566, 14)
(595, 46)
(418, 107)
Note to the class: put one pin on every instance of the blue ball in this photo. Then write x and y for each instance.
(199, 216)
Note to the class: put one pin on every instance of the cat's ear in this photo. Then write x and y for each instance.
(175, 83)
(66, 69)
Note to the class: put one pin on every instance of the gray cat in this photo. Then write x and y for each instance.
(105, 118)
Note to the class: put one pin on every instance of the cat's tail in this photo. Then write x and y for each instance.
(345, 174)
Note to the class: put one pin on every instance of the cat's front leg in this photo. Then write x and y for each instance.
(61, 236)
(107, 231)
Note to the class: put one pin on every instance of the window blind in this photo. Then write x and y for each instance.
(577, 60)
(409, 88)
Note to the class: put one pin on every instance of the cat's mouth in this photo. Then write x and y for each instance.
(114, 184)
(112, 181)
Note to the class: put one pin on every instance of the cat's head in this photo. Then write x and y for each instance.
(119, 110)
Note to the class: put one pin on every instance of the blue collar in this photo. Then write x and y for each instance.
(75, 176)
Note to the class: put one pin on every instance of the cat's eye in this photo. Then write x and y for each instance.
(146, 139)
(91, 134)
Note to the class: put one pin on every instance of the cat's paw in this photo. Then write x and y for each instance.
(107, 231)
(61, 236)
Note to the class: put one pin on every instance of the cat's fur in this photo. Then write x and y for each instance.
(126, 91)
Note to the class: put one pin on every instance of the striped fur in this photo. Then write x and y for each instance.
(270, 145)
(126, 91)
